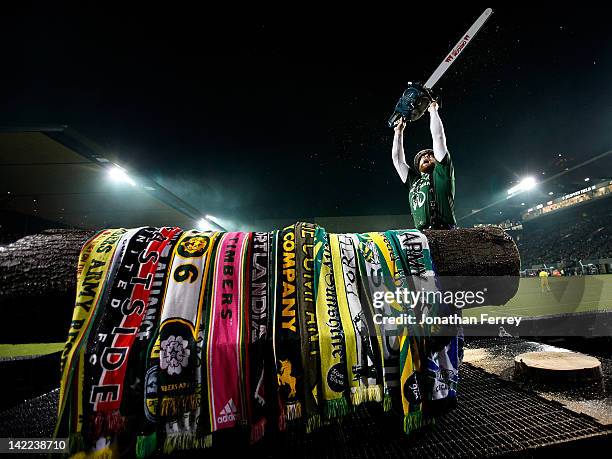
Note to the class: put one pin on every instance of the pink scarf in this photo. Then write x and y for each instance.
(225, 351)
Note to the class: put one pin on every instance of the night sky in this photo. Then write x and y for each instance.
(260, 115)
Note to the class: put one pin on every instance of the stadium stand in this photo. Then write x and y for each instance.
(563, 238)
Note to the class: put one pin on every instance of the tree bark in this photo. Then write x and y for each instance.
(482, 260)
(37, 275)
(41, 264)
(38, 286)
(487, 251)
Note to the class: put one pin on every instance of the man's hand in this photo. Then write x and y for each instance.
(433, 106)
(399, 125)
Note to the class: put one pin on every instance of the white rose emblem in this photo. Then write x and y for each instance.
(174, 355)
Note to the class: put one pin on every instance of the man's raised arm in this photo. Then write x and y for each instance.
(437, 133)
(397, 152)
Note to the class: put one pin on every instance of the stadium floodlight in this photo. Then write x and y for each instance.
(204, 225)
(587, 179)
(218, 222)
(207, 223)
(524, 185)
(119, 174)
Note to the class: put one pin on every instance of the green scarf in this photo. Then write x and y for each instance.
(409, 270)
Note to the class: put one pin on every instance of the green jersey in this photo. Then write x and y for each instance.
(432, 196)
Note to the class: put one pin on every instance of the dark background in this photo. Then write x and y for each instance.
(265, 114)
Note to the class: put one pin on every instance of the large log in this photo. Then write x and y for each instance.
(37, 275)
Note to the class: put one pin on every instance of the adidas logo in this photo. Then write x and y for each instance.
(228, 413)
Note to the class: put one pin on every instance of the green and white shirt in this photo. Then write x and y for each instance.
(443, 193)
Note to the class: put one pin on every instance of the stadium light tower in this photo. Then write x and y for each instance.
(526, 184)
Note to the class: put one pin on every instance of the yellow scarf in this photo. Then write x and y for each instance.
(350, 340)
(95, 261)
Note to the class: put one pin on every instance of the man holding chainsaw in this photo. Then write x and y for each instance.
(431, 180)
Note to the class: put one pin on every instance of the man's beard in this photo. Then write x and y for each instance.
(428, 168)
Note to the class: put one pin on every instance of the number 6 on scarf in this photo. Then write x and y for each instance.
(186, 272)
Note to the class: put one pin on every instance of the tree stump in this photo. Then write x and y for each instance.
(559, 368)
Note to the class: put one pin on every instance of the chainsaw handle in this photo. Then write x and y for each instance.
(393, 119)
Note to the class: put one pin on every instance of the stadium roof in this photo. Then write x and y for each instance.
(54, 173)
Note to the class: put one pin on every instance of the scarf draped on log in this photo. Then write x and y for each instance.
(286, 334)
(96, 262)
(257, 322)
(176, 336)
(363, 367)
(334, 379)
(181, 342)
(225, 349)
(143, 394)
(113, 334)
(309, 333)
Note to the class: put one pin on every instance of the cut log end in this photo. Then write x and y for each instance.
(558, 367)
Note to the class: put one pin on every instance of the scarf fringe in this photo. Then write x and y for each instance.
(336, 408)
(413, 421)
(387, 402)
(358, 395)
(282, 420)
(186, 440)
(104, 453)
(146, 445)
(76, 443)
(313, 423)
(108, 422)
(293, 411)
(258, 430)
(174, 406)
(364, 394)
(108, 452)
(375, 394)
